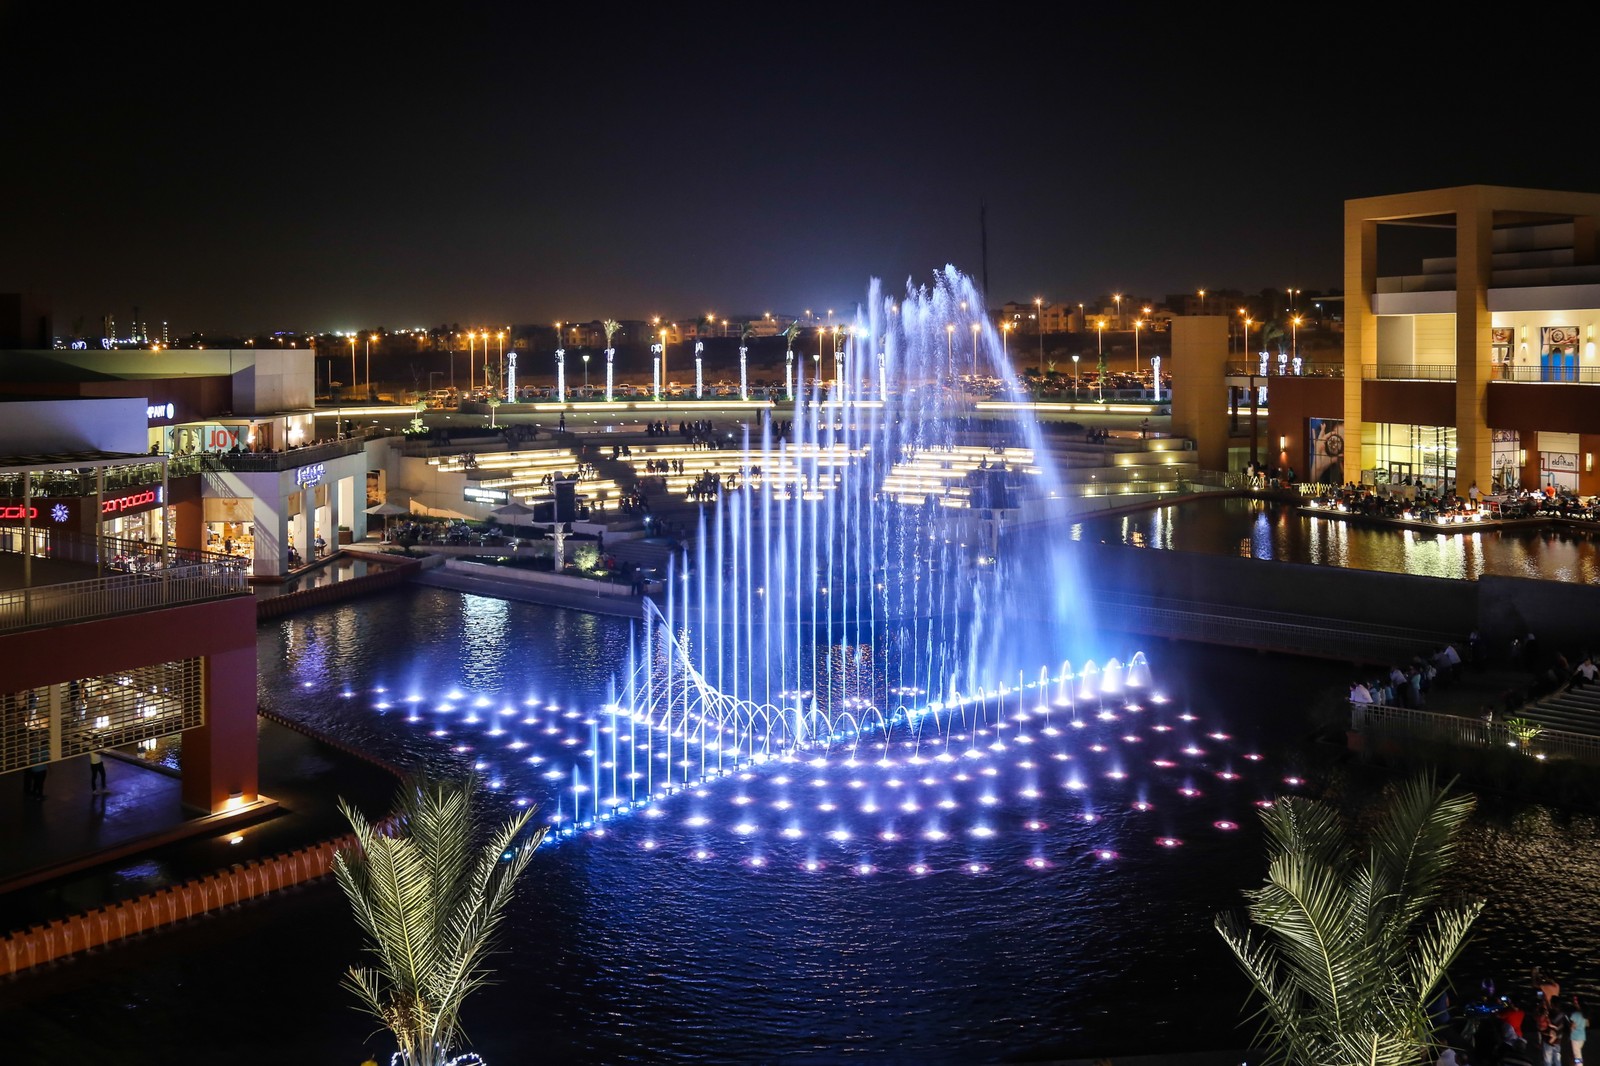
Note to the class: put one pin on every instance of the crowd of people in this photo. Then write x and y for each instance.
(1532, 1026)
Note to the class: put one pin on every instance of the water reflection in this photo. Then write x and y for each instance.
(1257, 529)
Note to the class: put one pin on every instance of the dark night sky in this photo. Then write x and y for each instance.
(353, 166)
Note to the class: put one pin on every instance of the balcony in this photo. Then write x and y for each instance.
(52, 578)
(1252, 369)
(1408, 372)
(275, 462)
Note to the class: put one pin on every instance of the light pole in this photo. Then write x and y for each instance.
(1246, 342)
(1075, 377)
(975, 328)
(1202, 301)
(1005, 342)
(1138, 324)
(949, 350)
(370, 338)
(500, 353)
(452, 362)
(586, 375)
(1117, 296)
(1100, 346)
(352, 364)
(1294, 336)
(472, 352)
(1293, 293)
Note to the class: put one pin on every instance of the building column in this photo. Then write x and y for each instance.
(1474, 261)
(1360, 332)
(220, 757)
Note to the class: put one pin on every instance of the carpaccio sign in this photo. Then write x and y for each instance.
(64, 512)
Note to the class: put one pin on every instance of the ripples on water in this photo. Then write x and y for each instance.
(1258, 529)
(662, 941)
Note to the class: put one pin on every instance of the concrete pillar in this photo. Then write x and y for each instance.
(1360, 332)
(1199, 365)
(219, 758)
(1474, 254)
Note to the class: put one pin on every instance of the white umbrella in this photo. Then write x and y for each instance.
(386, 509)
(512, 510)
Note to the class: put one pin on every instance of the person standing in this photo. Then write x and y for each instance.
(97, 773)
(1577, 1030)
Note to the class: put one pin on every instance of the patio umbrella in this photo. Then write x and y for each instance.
(386, 509)
(511, 511)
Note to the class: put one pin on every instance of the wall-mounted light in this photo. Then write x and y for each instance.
(1283, 443)
(1522, 457)
(1588, 462)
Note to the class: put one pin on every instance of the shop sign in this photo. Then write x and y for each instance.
(310, 475)
(474, 494)
(134, 501)
(1560, 462)
(159, 410)
(59, 512)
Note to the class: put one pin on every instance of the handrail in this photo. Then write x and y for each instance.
(103, 597)
(1408, 371)
(1453, 728)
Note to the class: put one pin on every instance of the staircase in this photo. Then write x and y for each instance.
(1571, 710)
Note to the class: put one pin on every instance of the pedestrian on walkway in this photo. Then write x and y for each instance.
(97, 773)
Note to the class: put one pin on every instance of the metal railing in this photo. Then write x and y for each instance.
(103, 597)
(1579, 375)
(1412, 724)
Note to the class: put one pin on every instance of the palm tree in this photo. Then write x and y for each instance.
(1344, 948)
(429, 896)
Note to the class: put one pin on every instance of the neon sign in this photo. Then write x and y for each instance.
(16, 512)
(128, 503)
(310, 475)
(159, 410)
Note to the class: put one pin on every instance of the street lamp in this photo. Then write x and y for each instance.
(1100, 344)
(586, 374)
(1138, 324)
(949, 349)
(352, 364)
(1202, 301)
(472, 351)
(1117, 296)
(1294, 335)
(1075, 377)
(975, 328)
(500, 352)
(1247, 324)
(1005, 338)
(370, 338)
(1292, 294)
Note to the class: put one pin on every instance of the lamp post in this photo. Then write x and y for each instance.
(586, 375)
(500, 352)
(472, 349)
(1100, 351)
(1293, 293)
(452, 362)
(662, 383)
(1202, 301)
(1246, 343)
(1038, 317)
(1294, 336)
(1075, 377)
(1117, 296)
(949, 349)
(1138, 324)
(1005, 342)
(975, 328)
(352, 364)
(370, 338)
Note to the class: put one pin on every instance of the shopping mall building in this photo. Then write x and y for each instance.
(1473, 360)
(244, 474)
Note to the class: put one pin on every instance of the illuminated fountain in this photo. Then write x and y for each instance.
(865, 660)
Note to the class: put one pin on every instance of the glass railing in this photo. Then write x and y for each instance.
(1408, 371)
(1252, 368)
(270, 462)
(1567, 375)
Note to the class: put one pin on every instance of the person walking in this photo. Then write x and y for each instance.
(97, 773)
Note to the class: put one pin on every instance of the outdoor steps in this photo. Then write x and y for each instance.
(1570, 711)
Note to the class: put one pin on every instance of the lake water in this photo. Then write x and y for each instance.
(1258, 529)
(1017, 904)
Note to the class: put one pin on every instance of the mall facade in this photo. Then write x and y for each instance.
(1470, 325)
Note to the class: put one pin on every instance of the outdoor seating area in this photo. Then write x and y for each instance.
(1417, 503)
